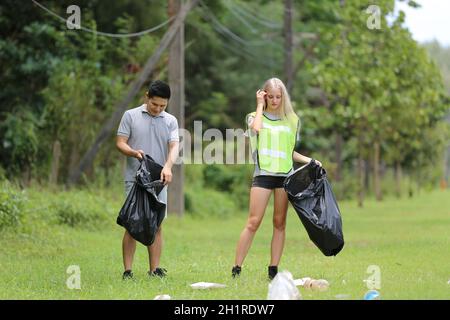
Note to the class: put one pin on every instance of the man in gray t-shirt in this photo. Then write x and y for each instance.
(148, 129)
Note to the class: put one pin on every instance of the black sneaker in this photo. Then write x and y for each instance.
(273, 270)
(159, 272)
(236, 271)
(127, 275)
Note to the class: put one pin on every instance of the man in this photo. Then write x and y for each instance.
(148, 129)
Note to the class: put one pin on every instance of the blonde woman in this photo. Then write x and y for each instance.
(274, 133)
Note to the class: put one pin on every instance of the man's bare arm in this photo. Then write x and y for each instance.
(122, 145)
(166, 173)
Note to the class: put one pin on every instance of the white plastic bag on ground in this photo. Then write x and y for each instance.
(342, 296)
(283, 287)
(207, 285)
(301, 282)
(162, 297)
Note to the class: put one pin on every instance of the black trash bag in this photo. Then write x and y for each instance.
(142, 213)
(310, 194)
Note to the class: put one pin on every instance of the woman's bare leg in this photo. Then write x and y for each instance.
(279, 225)
(259, 197)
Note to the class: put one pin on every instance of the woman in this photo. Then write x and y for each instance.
(274, 133)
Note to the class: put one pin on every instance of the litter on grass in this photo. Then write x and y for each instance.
(313, 284)
(207, 285)
(162, 297)
(283, 287)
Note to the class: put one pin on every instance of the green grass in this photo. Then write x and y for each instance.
(409, 239)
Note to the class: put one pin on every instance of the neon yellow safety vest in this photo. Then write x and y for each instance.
(275, 144)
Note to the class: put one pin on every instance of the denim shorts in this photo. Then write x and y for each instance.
(268, 182)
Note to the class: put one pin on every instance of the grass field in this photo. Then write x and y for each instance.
(408, 239)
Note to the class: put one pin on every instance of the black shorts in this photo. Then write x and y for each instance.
(268, 182)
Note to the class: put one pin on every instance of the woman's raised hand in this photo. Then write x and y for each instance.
(260, 95)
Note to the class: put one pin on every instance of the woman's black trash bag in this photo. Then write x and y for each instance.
(310, 194)
(142, 213)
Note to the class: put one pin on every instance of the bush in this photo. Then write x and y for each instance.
(81, 209)
(207, 203)
(218, 177)
(2, 174)
(20, 141)
(12, 204)
(234, 180)
(194, 174)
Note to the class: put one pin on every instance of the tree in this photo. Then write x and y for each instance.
(368, 77)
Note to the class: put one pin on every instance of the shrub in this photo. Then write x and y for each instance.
(218, 177)
(12, 204)
(234, 180)
(81, 209)
(207, 202)
(194, 174)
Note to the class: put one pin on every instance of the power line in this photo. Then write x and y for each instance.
(257, 18)
(226, 32)
(215, 21)
(113, 35)
(210, 16)
(253, 29)
(241, 51)
(239, 17)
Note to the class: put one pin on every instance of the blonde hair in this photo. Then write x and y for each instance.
(287, 111)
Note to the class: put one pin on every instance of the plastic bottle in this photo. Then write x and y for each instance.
(372, 295)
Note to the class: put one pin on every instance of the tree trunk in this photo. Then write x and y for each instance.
(376, 170)
(367, 167)
(338, 154)
(418, 180)
(398, 179)
(134, 88)
(53, 178)
(445, 177)
(26, 177)
(106, 165)
(74, 158)
(175, 201)
(360, 172)
(288, 45)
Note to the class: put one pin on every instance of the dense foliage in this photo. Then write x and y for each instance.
(370, 100)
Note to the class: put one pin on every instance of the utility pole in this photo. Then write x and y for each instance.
(175, 203)
(134, 88)
(288, 45)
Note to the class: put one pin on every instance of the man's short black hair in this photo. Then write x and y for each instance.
(160, 89)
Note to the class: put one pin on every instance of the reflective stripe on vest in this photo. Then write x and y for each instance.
(275, 143)
(273, 153)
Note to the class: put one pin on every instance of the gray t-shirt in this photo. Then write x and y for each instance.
(258, 171)
(149, 133)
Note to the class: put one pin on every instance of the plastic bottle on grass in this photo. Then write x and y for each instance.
(372, 295)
